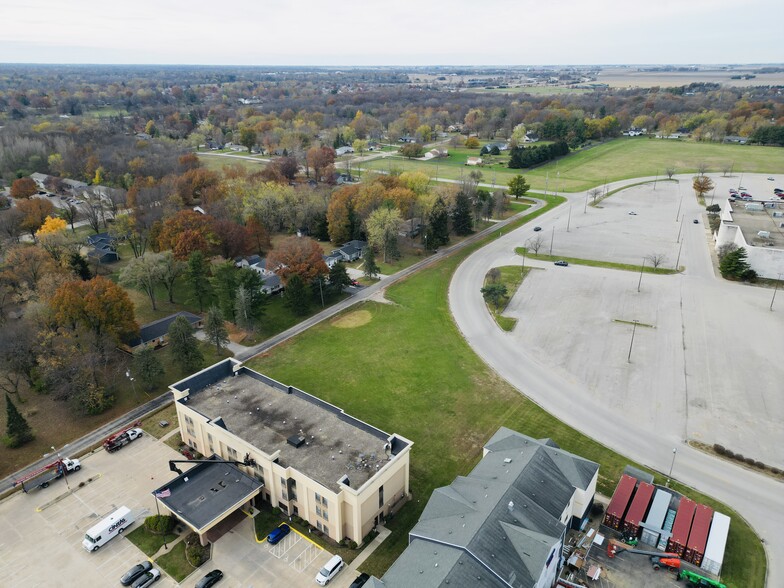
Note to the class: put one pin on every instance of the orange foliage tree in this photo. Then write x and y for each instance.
(298, 255)
(98, 305)
(23, 188)
(186, 232)
(35, 211)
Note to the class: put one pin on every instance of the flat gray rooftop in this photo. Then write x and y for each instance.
(208, 490)
(266, 415)
(753, 221)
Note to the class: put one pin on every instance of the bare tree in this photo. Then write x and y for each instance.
(595, 193)
(656, 259)
(94, 212)
(69, 212)
(494, 275)
(702, 167)
(11, 225)
(725, 249)
(726, 169)
(536, 244)
(670, 171)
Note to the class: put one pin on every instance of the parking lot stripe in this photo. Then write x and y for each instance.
(306, 538)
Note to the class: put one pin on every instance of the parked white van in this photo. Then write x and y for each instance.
(108, 529)
(329, 571)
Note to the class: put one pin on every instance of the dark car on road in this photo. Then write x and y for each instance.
(562, 263)
(360, 581)
(210, 579)
(537, 228)
(135, 572)
(278, 534)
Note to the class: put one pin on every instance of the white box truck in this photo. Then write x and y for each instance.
(108, 529)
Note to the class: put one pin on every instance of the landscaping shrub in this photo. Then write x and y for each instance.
(159, 524)
(760, 465)
(719, 449)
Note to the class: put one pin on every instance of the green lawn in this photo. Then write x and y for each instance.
(217, 163)
(511, 277)
(629, 267)
(174, 563)
(414, 365)
(147, 542)
(619, 159)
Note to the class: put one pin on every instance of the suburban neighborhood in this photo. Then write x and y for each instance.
(388, 325)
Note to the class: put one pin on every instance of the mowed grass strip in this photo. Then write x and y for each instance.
(628, 267)
(511, 277)
(619, 159)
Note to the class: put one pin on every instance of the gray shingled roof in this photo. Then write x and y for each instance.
(502, 520)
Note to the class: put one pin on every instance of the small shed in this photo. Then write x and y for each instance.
(474, 161)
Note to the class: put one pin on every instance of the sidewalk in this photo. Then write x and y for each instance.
(348, 575)
(235, 348)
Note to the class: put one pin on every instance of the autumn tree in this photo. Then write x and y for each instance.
(472, 143)
(518, 186)
(186, 232)
(411, 150)
(233, 239)
(257, 236)
(184, 346)
(11, 225)
(383, 226)
(35, 211)
(51, 225)
(23, 188)
(25, 265)
(298, 255)
(69, 213)
(702, 185)
(343, 222)
(144, 274)
(320, 158)
(195, 183)
(99, 305)
(18, 351)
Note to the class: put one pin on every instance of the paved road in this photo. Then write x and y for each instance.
(758, 498)
(79, 446)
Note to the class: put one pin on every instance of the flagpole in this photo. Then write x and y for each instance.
(158, 510)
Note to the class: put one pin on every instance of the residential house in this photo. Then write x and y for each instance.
(436, 153)
(332, 259)
(103, 255)
(248, 261)
(531, 137)
(732, 139)
(352, 250)
(407, 139)
(75, 187)
(410, 228)
(40, 180)
(343, 150)
(155, 334)
(271, 284)
(505, 522)
(501, 147)
(310, 459)
(474, 161)
(143, 136)
(101, 239)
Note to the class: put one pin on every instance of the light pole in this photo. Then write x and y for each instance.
(133, 386)
(778, 279)
(680, 201)
(585, 206)
(569, 219)
(642, 267)
(678, 240)
(631, 343)
(62, 467)
(677, 261)
(552, 236)
(669, 475)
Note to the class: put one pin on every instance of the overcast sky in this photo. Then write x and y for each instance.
(392, 32)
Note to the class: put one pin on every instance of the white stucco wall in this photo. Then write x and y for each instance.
(768, 262)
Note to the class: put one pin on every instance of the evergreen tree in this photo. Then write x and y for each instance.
(243, 315)
(462, 219)
(197, 276)
(437, 232)
(79, 266)
(215, 328)
(252, 282)
(735, 267)
(224, 284)
(518, 186)
(147, 368)
(338, 278)
(184, 346)
(369, 264)
(297, 295)
(18, 432)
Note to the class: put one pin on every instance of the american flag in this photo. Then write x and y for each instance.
(165, 493)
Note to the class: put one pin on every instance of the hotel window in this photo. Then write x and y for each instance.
(326, 515)
(380, 496)
(318, 498)
(324, 500)
(232, 452)
(318, 511)
(318, 525)
(209, 442)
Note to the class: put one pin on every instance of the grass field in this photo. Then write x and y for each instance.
(629, 267)
(533, 90)
(418, 377)
(619, 159)
(217, 163)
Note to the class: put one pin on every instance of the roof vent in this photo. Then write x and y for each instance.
(296, 440)
(508, 460)
(510, 506)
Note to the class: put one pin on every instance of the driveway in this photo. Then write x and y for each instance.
(685, 379)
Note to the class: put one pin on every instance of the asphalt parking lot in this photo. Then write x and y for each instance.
(701, 365)
(41, 532)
